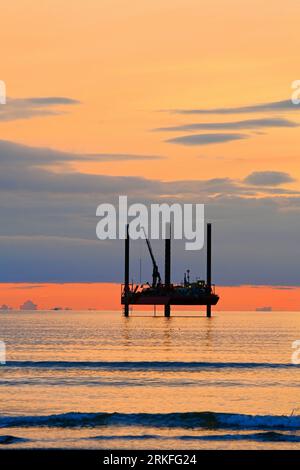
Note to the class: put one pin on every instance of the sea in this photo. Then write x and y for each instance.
(98, 380)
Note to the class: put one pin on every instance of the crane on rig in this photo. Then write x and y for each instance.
(156, 277)
(198, 292)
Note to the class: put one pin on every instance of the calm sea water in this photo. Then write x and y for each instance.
(99, 380)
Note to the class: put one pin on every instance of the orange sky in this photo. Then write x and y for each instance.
(127, 60)
(127, 63)
(107, 296)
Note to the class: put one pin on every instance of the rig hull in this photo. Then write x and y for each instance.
(198, 292)
(159, 297)
(160, 300)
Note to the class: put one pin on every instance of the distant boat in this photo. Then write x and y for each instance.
(57, 309)
(5, 308)
(28, 305)
(264, 309)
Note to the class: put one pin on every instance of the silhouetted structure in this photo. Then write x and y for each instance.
(125, 296)
(199, 292)
(168, 269)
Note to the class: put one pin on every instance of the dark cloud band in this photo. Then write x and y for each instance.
(284, 105)
(245, 124)
(206, 139)
(28, 108)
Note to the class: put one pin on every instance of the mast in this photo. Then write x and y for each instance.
(156, 278)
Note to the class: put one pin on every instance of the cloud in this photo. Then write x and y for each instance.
(206, 139)
(245, 124)
(34, 169)
(247, 233)
(268, 178)
(48, 223)
(44, 156)
(28, 305)
(25, 168)
(284, 287)
(25, 287)
(47, 101)
(28, 108)
(117, 157)
(284, 105)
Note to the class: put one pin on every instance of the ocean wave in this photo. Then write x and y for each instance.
(145, 365)
(270, 436)
(193, 420)
(149, 381)
(4, 440)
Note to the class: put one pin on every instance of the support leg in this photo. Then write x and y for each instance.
(208, 267)
(208, 311)
(126, 287)
(167, 310)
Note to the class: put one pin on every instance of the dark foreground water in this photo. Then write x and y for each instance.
(98, 380)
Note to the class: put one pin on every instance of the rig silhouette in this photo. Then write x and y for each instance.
(199, 292)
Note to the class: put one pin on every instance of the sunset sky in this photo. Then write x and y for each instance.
(186, 100)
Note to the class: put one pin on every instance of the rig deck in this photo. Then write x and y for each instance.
(199, 292)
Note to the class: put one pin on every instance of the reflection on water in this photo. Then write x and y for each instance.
(97, 379)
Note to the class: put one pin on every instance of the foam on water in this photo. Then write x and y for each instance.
(147, 365)
(209, 420)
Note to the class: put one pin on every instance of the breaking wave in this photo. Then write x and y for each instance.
(146, 365)
(4, 440)
(192, 420)
(269, 436)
